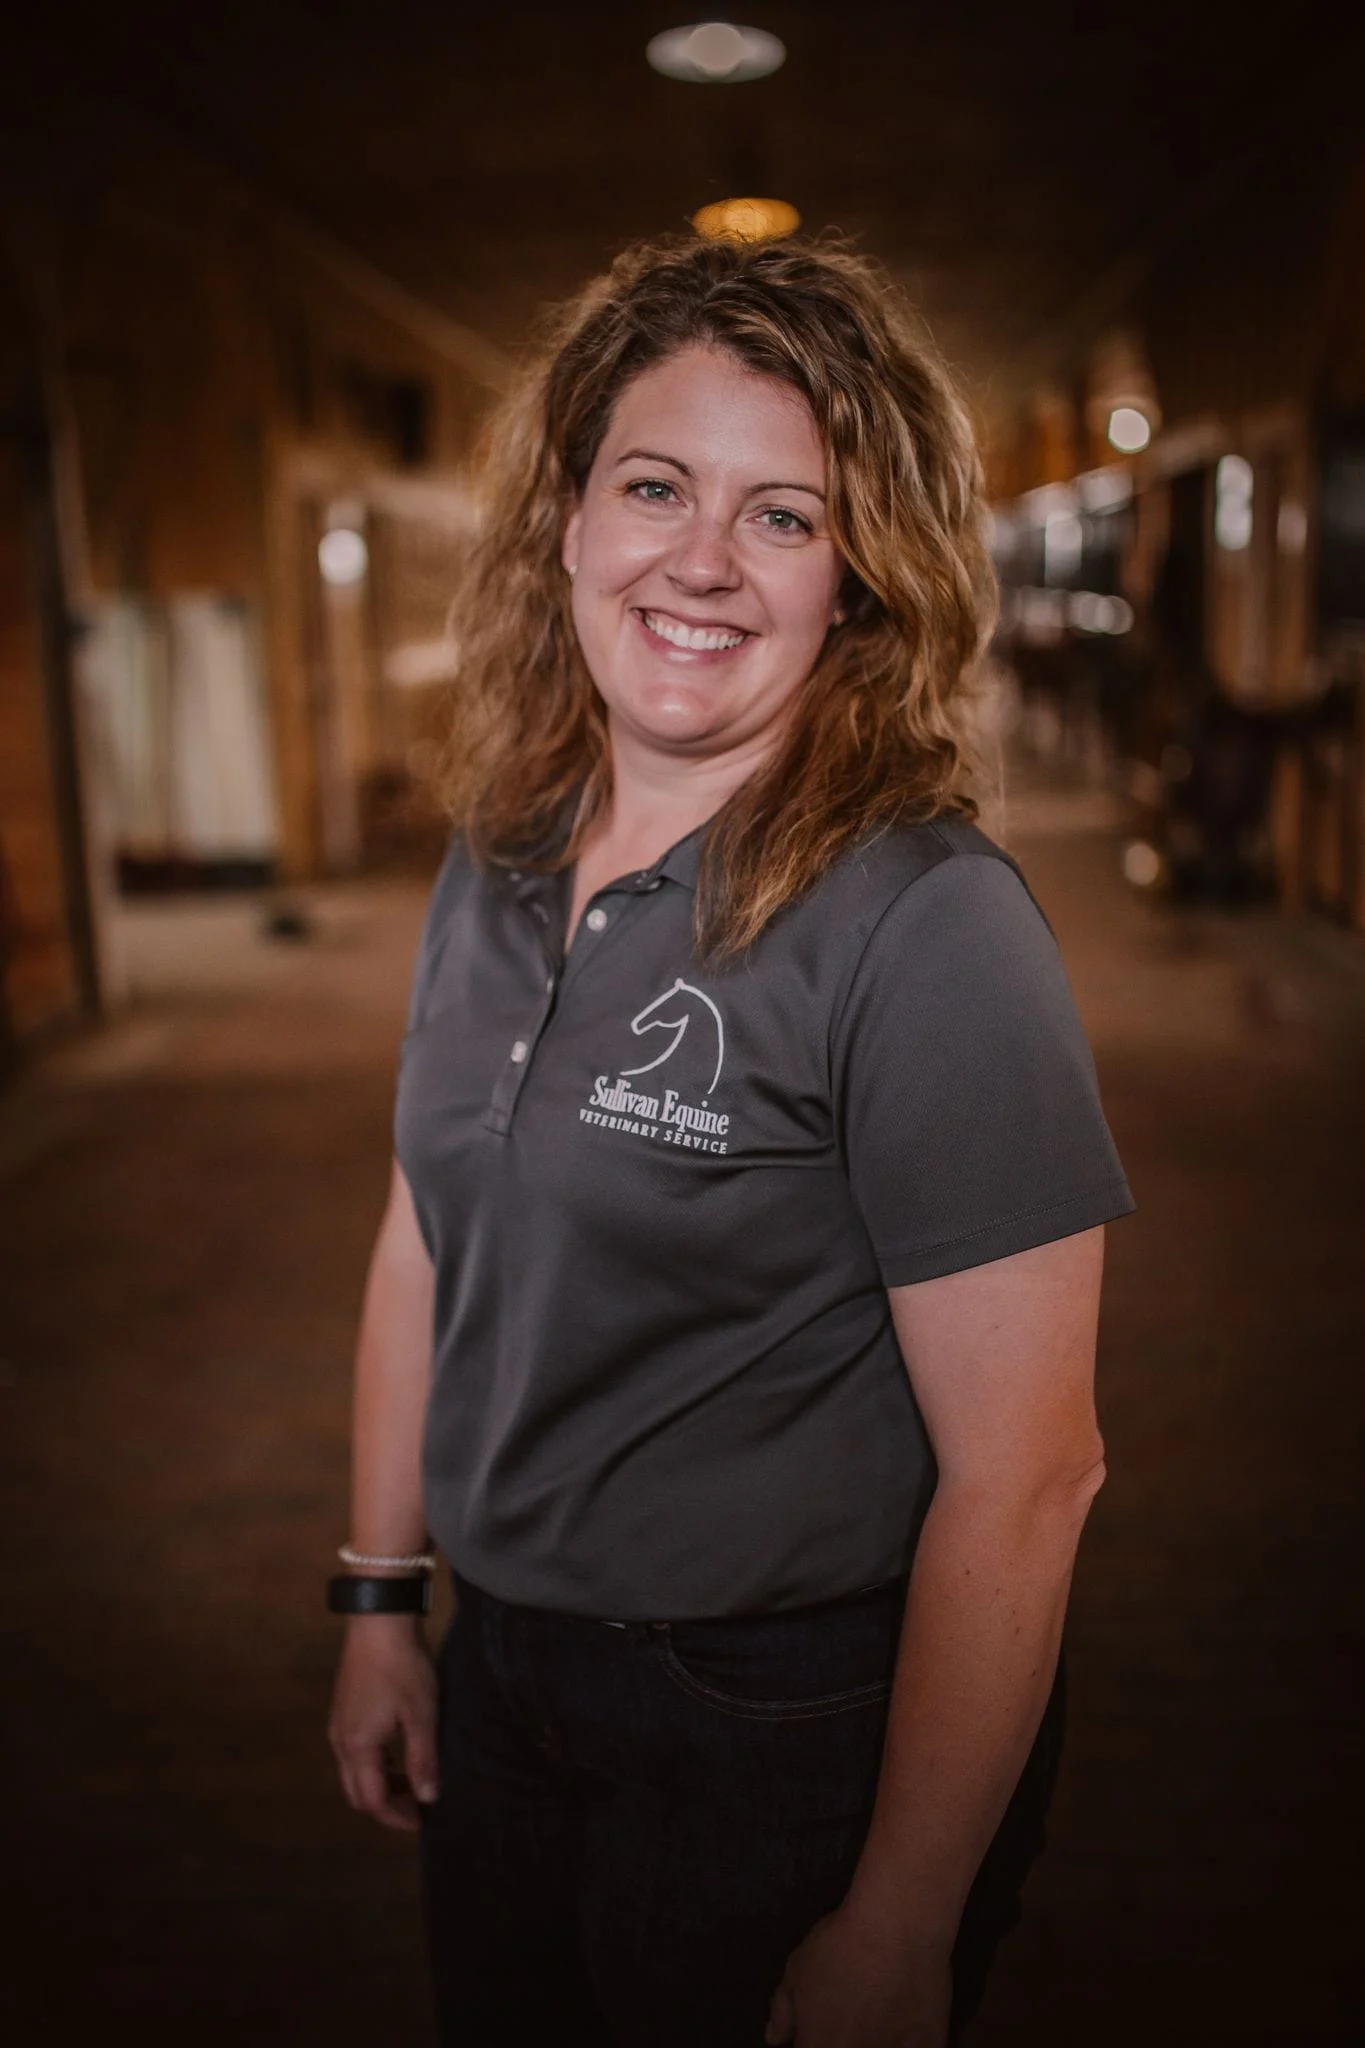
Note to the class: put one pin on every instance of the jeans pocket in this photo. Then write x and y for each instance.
(786, 1667)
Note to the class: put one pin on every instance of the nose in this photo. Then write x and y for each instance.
(705, 559)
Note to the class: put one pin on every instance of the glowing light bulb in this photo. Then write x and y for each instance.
(1141, 864)
(343, 557)
(1234, 486)
(746, 220)
(716, 47)
(1129, 430)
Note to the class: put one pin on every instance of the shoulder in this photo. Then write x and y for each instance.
(941, 927)
(457, 873)
(457, 881)
(943, 875)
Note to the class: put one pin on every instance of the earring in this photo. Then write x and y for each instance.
(571, 569)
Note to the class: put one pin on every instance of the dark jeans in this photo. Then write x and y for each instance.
(638, 1823)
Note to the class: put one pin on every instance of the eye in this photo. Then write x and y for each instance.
(655, 490)
(781, 519)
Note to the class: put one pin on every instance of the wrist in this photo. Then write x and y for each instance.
(885, 1906)
(366, 1593)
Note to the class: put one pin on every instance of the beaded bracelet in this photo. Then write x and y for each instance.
(420, 1561)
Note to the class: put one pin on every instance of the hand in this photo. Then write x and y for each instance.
(850, 1985)
(383, 1717)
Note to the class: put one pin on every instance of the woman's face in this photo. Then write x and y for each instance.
(705, 578)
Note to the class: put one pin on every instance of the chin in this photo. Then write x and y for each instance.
(680, 735)
(673, 716)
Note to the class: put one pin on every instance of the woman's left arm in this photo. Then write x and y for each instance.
(1001, 1359)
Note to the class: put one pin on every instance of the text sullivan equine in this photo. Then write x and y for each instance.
(649, 1116)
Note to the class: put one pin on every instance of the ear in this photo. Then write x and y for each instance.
(568, 546)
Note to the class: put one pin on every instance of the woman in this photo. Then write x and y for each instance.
(750, 1178)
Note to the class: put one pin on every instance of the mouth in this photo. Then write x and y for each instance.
(699, 639)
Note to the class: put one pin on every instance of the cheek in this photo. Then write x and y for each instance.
(802, 599)
(615, 549)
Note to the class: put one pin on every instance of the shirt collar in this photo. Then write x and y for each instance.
(681, 864)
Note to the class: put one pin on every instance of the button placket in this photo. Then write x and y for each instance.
(515, 1068)
(603, 924)
(502, 1104)
(599, 926)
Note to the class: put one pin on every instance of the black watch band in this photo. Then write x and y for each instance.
(349, 1593)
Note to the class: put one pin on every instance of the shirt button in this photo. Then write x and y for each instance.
(519, 1052)
(550, 986)
(596, 920)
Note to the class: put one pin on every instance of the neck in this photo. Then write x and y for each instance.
(657, 799)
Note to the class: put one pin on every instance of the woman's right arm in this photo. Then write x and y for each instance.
(384, 1706)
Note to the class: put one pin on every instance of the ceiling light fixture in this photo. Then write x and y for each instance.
(746, 220)
(715, 53)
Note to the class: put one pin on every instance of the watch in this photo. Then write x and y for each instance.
(352, 1593)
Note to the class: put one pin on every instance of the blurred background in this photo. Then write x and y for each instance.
(263, 270)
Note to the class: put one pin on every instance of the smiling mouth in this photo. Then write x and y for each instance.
(696, 639)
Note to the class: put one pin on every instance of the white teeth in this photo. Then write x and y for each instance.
(701, 639)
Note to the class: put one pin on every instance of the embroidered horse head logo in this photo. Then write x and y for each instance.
(675, 1011)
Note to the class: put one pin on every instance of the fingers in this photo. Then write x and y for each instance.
(419, 1755)
(382, 1727)
(370, 1778)
(781, 2016)
(370, 1788)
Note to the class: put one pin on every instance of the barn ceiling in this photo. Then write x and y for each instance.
(1011, 163)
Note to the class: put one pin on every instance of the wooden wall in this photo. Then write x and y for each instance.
(39, 984)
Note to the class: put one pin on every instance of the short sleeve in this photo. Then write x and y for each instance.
(965, 1094)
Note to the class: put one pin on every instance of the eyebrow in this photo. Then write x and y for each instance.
(672, 462)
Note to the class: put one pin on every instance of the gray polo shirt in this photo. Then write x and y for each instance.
(665, 1204)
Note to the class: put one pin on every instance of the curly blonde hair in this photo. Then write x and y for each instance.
(878, 733)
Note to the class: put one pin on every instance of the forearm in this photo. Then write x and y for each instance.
(978, 1653)
(392, 1386)
(385, 1694)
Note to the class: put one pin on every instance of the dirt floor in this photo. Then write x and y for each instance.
(189, 1197)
